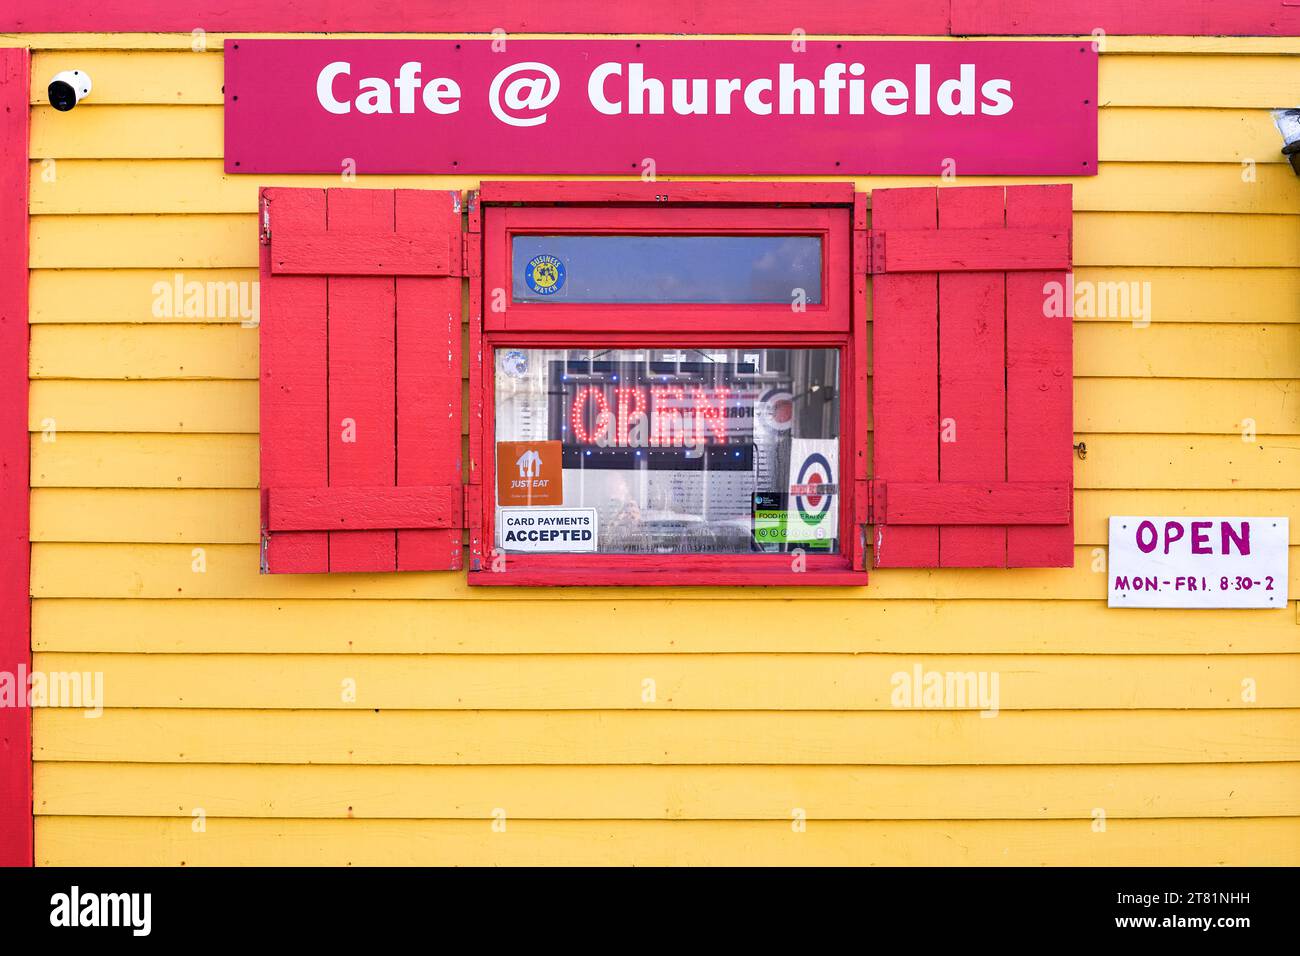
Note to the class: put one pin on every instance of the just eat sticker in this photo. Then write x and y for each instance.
(530, 473)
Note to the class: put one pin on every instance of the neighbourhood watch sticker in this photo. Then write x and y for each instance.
(544, 274)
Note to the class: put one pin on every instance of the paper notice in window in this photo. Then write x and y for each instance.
(814, 508)
(547, 530)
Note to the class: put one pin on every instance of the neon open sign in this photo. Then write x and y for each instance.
(660, 415)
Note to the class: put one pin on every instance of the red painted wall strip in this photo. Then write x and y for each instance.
(482, 16)
(777, 17)
(1154, 17)
(15, 555)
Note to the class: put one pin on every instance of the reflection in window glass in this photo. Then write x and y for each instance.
(670, 451)
(614, 269)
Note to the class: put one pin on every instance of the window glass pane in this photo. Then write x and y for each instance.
(613, 269)
(667, 451)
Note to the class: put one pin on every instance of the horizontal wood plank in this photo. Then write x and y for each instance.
(91, 841)
(298, 252)
(202, 351)
(968, 502)
(1155, 344)
(1195, 81)
(968, 250)
(666, 792)
(145, 461)
(326, 509)
(911, 738)
(991, 684)
(176, 407)
(686, 625)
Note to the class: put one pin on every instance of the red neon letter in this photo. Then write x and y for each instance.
(623, 394)
(578, 415)
(705, 412)
(667, 428)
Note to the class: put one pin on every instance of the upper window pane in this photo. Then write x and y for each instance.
(755, 270)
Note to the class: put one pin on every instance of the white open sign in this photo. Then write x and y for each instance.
(1180, 561)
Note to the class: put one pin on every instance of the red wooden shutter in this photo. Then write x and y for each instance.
(361, 380)
(972, 379)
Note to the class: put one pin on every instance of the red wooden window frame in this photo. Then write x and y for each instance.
(502, 224)
(16, 820)
(711, 209)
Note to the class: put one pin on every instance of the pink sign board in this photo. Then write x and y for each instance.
(670, 107)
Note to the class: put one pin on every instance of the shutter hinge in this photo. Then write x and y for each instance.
(861, 518)
(265, 564)
(875, 501)
(876, 251)
(265, 235)
(861, 252)
(470, 244)
(473, 506)
(455, 201)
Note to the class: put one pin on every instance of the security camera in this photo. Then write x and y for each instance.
(1288, 124)
(69, 88)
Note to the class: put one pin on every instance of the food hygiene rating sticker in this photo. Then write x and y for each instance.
(544, 274)
(543, 530)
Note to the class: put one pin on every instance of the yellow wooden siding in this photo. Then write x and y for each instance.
(223, 687)
(1149, 791)
(169, 841)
